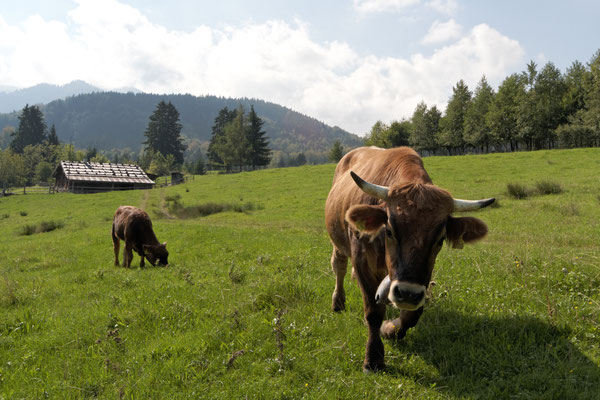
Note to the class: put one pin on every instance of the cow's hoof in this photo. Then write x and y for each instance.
(392, 329)
(338, 302)
(373, 368)
(338, 307)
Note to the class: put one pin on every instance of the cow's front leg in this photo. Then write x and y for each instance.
(374, 354)
(339, 264)
(365, 267)
(396, 329)
(141, 254)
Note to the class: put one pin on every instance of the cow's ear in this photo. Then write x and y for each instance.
(464, 230)
(367, 219)
(164, 244)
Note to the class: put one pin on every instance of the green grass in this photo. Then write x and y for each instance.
(243, 310)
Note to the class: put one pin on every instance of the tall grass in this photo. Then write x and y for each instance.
(517, 190)
(548, 187)
(176, 208)
(543, 187)
(44, 226)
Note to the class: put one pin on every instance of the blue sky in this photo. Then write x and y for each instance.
(347, 63)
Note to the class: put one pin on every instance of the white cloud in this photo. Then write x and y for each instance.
(112, 45)
(371, 6)
(441, 32)
(448, 7)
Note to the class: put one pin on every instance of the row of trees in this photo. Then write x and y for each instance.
(238, 140)
(34, 151)
(532, 110)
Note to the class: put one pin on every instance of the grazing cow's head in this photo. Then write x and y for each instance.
(417, 219)
(157, 253)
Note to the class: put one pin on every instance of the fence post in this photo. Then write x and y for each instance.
(24, 190)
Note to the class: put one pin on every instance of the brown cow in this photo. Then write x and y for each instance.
(133, 226)
(392, 233)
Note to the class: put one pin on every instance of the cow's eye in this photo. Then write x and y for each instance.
(388, 232)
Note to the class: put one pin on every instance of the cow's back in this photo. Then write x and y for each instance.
(132, 224)
(385, 167)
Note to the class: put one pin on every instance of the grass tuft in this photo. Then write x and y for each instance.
(176, 208)
(570, 209)
(548, 187)
(517, 190)
(44, 226)
(8, 294)
(23, 213)
(235, 276)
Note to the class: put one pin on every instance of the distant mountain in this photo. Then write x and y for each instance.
(42, 94)
(109, 120)
(7, 88)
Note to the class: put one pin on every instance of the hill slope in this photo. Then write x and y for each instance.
(107, 120)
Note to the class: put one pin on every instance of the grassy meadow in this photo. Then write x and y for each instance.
(243, 309)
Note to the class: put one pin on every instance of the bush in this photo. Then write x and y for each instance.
(517, 190)
(548, 187)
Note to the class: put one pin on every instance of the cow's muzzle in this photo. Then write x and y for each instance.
(403, 295)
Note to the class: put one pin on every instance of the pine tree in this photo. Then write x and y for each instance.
(451, 136)
(477, 131)
(259, 154)
(234, 148)
(425, 127)
(503, 114)
(224, 117)
(163, 132)
(300, 159)
(337, 152)
(53, 137)
(31, 130)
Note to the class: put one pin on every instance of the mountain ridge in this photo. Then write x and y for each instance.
(109, 120)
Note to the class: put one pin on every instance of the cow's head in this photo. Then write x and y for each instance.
(416, 220)
(156, 253)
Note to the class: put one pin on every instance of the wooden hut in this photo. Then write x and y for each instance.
(176, 178)
(89, 177)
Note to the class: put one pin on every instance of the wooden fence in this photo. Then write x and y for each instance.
(27, 190)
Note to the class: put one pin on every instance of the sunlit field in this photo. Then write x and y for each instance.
(243, 309)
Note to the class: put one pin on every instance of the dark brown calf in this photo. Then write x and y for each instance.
(133, 226)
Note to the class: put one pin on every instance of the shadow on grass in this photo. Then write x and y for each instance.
(505, 357)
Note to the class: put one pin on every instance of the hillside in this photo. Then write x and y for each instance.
(11, 100)
(107, 120)
(243, 309)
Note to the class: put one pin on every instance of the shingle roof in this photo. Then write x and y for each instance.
(104, 172)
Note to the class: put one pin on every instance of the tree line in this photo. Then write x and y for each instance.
(531, 110)
(238, 142)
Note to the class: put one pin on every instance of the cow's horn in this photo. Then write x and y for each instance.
(381, 192)
(471, 205)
